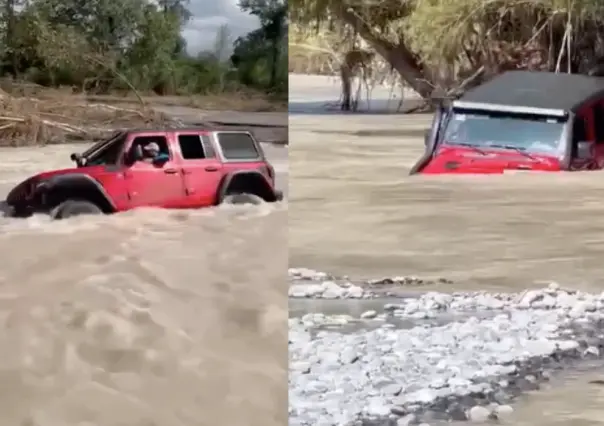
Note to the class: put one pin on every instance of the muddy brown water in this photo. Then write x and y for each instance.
(355, 211)
(151, 317)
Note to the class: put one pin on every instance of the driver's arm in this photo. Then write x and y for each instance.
(162, 156)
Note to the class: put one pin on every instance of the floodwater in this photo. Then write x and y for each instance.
(356, 212)
(147, 318)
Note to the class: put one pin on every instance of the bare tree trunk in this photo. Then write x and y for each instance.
(400, 57)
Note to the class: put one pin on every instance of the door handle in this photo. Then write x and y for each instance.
(211, 169)
(170, 171)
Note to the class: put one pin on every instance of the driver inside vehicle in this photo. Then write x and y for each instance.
(153, 154)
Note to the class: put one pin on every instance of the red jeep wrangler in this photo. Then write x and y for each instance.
(194, 168)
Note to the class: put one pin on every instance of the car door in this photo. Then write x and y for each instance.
(202, 171)
(154, 185)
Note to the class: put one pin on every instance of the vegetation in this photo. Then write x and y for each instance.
(445, 46)
(104, 46)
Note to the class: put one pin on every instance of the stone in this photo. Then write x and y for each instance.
(377, 407)
(369, 314)
(407, 420)
(478, 414)
(392, 389)
(349, 356)
(503, 412)
(301, 366)
(398, 410)
(355, 292)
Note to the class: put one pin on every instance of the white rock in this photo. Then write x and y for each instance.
(305, 290)
(503, 411)
(567, 345)
(369, 314)
(478, 414)
(348, 356)
(392, 389)
(530, 297)
(332, 291)
(378, 408)
(592, 350)
(355, 292)
(406, 420)
(301, 366)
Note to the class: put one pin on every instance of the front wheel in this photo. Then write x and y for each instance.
(72, 208)
(243, 198)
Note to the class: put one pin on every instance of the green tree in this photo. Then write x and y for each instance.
(273, 18)
(105, 45)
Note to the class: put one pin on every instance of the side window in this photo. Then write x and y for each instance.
(191, 147)
(238, 146)
(159, 140)
(598, 117)
(579, 130)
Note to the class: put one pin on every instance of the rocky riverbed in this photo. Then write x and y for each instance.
(459, 356)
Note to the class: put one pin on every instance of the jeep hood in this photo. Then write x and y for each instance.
(27, 186)
(463, 160)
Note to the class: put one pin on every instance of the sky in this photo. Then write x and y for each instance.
(209, 16)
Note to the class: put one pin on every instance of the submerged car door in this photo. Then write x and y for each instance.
(201, 169)
(154, 185)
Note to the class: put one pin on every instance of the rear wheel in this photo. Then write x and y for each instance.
(242, 198)
(72, 208)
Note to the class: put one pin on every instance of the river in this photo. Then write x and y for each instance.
(149, 317)
(355, 211)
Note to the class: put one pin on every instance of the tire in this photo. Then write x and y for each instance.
(71, 208)
(243, 198)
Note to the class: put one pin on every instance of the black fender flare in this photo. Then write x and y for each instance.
(226, 182)
(78, 185)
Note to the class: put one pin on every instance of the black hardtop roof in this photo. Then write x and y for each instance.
(191, 129)
(537, 89)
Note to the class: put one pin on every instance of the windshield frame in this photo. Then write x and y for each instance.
(558, 151)
(101, 144)
(102, 147)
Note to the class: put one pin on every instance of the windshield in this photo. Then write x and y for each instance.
(483, 129)
(108, 155)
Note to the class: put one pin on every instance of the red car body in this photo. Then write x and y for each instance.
(520, 120)
(200, 169)
(462, 160)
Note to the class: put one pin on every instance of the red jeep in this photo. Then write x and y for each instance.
(520, 120)
(195, 168)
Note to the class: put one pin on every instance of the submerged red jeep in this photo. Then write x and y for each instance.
(176, 168)
(519, 120)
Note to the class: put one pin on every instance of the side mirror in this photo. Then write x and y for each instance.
(584, 151)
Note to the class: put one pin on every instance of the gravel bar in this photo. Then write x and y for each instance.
(468, 369)
(310, 284)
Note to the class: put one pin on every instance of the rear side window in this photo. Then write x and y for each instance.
(599, 122)
(191, 147)
(196, 147)
(238, 146)
(579, 130)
